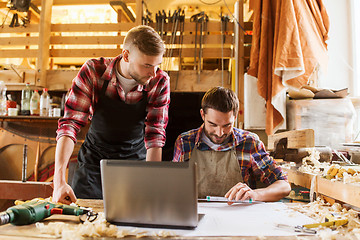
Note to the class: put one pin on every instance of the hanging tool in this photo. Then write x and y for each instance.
(224, 20)
(200, 20)
(15, 21)
(182, 27)
(203, 27)
(174, 28)
(147, 18)
(194, 18)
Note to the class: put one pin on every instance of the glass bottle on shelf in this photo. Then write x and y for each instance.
(25, 100)
(3, 89)
(35, 103)
(44, 103)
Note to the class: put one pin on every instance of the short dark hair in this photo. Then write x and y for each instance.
(146, 39)
(221, 99)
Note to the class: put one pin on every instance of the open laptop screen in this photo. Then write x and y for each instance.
(149, 193)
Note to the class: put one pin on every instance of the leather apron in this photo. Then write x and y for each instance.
(217, 171)
(116, 132)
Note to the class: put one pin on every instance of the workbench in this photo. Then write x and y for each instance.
(10, 232)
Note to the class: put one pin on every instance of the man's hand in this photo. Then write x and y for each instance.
(63, 194)
(242, 192)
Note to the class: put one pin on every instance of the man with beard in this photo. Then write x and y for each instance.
(127, 100)
(231, 162)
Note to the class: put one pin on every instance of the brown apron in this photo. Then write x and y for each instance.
(217, 171)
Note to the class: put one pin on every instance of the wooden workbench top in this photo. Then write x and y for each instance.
(10, 232)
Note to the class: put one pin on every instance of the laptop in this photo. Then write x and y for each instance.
(150, 194)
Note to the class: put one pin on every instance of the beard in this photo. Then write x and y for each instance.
(215, 138)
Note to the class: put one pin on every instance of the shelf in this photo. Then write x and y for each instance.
(344, 192)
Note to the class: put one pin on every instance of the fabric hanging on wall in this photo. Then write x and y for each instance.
(288, 50)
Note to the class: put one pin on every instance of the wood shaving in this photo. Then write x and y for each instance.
(318, 209)
(99, 228)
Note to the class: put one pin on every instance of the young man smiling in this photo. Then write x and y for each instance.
(127, 99)
(230, 161)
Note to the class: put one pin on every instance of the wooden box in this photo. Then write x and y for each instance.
(331, 119)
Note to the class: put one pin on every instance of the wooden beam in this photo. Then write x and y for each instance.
(239, 62)
(44, 41)
(94, 27)
(183, 81)
(10, 77)
(79, 2)
(139, 12)
(187, 80)
(304, 138)
(100, 40)
(18, 190)
(24, 53)
(187, 52)
(300, 178)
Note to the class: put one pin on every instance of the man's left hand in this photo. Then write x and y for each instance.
(242, 192)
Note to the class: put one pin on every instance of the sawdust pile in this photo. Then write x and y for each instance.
(98, 228)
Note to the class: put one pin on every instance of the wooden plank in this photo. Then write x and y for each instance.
(20, 41)
(83, 40)
(30, 28)
(102, 40)
(187, 80)
(24, 190)
(239, 68)
(25, 53)
(10, 77)
(295, 139)
(187, 52)
(93, 27)
(300, 178)
(348, 193)
(44, 42)
(96, 52)
(79, 2)
(139, 12)
(60, 79)
(183, 81)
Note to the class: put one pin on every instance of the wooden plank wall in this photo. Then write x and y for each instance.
(67, 42)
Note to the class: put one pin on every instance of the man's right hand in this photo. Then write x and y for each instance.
(63, 194)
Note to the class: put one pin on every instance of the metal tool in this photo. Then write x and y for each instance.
(24, 165)
(300, 229)
(37, 210)
(182, 27)
(200, 20)
(224, 199)
(343, 158)
(331, 220)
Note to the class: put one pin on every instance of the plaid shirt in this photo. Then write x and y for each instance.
(255, 163)
(85, 90)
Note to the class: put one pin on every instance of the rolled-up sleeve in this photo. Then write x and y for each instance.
(78, 104)
(157, 116)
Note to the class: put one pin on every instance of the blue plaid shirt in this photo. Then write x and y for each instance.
(255, 163)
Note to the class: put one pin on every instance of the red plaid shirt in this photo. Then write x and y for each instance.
(85, 90)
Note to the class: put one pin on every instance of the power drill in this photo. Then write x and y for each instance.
(36, 210)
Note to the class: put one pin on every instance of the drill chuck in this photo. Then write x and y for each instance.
(4, 218)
